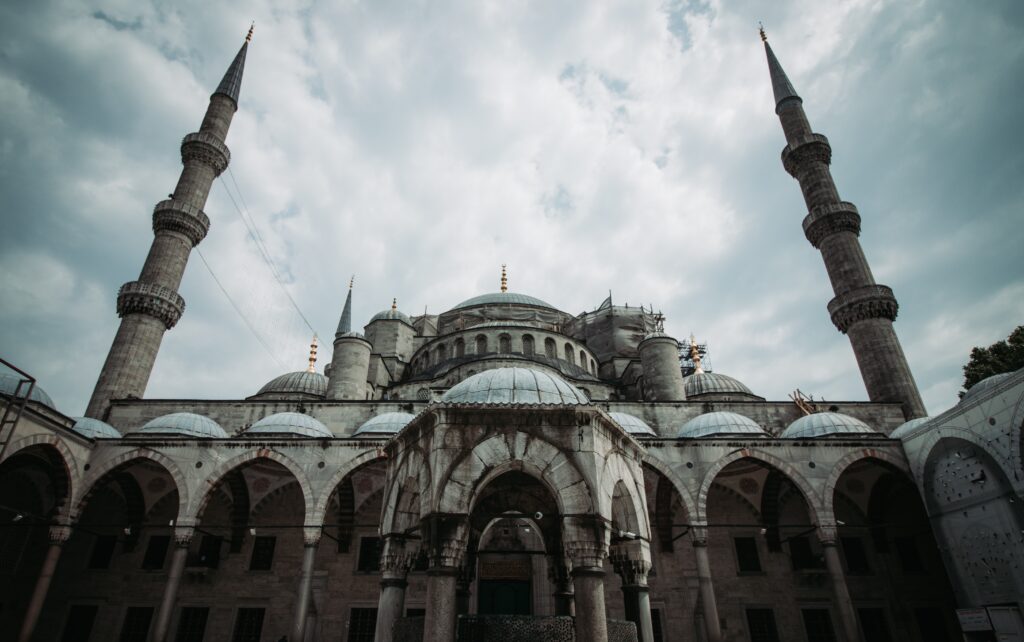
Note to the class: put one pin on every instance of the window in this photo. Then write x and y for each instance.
(136, 623)
(747, 559)
(262, 553)
(415, 612)
(549, 348)
(593, 367)
(362, 625)
(192, 624)
(208, 555)
(442, 352)
(79, 624)
(460, 348)
(583, 359)
(910, 559)
(761, 625)
(156, 552)
(801, 554)
(369, 555)
(248, 625)
(481, 344)
(568, 354)
(102, 551)
(856, 556)
(528, 345)
(931, 622)
(504, 344)
(656, 625)
(874, 626)
(818, 625)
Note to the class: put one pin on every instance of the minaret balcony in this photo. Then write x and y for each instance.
(861, 304)
(207, 149)
(831, 218)
(157, 301)
(812, 148)
(178, 216)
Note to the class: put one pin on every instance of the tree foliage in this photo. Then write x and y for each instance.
(1001, 356)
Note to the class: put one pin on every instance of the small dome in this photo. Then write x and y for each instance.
(95, 429)
(391, 315)
(908, 427)
(632, 424)
(306, 383)
(9, 384)
(289, 423)
(706, 383)
(387, 423)
(720, 423)
(515, 386)
(826, 424)
(185, 424)
(503, 298)
(985, 384)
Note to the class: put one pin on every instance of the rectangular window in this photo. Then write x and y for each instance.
(102, 551)
(874, 626)
(208, 555)
(761, 625)
(136, 624)
(362, 625)
(415, 612)
(192, 624)
(262, 553)
(656, 625)
(248, 625)
(802, 555)
(931, 622)
(369, 555)
(856, 556)
(910, 558)
(156, 552)
(818, 625)
(78, 627)
(747, 559)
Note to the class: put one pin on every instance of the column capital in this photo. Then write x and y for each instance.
(397, 557)
(631, 561)
(183, 535)
(586, 554)
(447, 537)
(59, 534)
(311, 535)
(828, 534)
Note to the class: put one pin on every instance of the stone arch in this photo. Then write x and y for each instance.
(96, 476)
(208, 485)
(72, 478)
(677, 484)
(924, 453)
(737, 497)
(408, 488)
(811, 498)
(327, 488)
(569, 353)
(616, 471)
(840, 467)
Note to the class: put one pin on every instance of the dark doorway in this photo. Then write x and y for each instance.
(504, 597)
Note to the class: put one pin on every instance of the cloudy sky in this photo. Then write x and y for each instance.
(629, 146)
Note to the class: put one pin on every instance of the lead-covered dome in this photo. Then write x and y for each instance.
(304, 382)
(720, 423)
(713, 383)
(9, 384)
(386, 423)
(185, 424)
(985, 384)
(826, 424)
(289, 423)
(392, 314)
(95, 429)
(503, 298)
(632, 424)
(515, 386)
(906, 428)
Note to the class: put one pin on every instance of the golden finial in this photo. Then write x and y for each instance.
(248, 36)
(394, 303)
(695, 356)
(312, 356)
(504, 279)
(760, 29)
(351, 281)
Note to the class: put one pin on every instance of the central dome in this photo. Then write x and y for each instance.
(503, 298)
(515, 386)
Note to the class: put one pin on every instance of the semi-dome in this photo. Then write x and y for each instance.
(908, 427)
(387, 423)
(515, 386)
(289, 423)
(391, 314)
(185, 424)
(9, 384)
(95, 429)
(632, 424)
(706, 383)
(720, 423)
(303, 382)
(985, 384)
(503, 298)
(826, 424)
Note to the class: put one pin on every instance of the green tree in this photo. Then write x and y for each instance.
(1000, 357)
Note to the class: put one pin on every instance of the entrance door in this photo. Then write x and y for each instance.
(504, 597)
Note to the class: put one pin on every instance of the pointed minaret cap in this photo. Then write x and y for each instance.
(504, 279)
(312, 356)
(345, 323)
(781, 86)
(231, 83)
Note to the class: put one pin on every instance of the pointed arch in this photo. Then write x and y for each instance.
(677, 484)
(96, 476)
(66, 459)
(840, 467)
(326, 489)
(206, 488)
(811, 498)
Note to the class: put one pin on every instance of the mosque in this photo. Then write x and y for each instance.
(506, 470)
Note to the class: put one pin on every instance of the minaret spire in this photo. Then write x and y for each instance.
(862, 309)
(312, 355)
(345, 323)
(504, 279)
(151, 305)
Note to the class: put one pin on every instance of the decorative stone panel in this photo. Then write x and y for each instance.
(868, 302)
(813, 148)
(831, 218)
(177, 216)
(159, 302)
(207, 149)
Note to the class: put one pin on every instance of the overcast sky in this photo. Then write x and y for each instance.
(629, 146)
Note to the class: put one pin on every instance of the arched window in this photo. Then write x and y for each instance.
(583, 359)
(504, 344)
(481, 344)
(593, 367)
(528, 345)
(460, 348)
(569, 354)
(442, 353)
(549, 348)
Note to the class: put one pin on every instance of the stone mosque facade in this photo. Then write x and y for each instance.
(505, 470)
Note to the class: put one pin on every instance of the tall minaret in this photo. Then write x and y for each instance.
(861, 309)
(350, 362)
(151, 305)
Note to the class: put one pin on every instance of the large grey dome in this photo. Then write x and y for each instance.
(825, 424)
(985, 384)
(95, 429)
(503, 298)
(290, 423)
(908, 427)
(720, 423)
(391, 315)
(632, 424)
(304, 382)
(185, 424)
(515, 386)
(705, 383)
(9, 383)
(386, 423)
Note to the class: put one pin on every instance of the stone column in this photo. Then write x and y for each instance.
(58, 537)
(707, 590)
(588, 584)
(632, 563)
(446, 551)
(395, 561)
(558, 573)
(847, 615)
(311, 538)
(182, 539)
